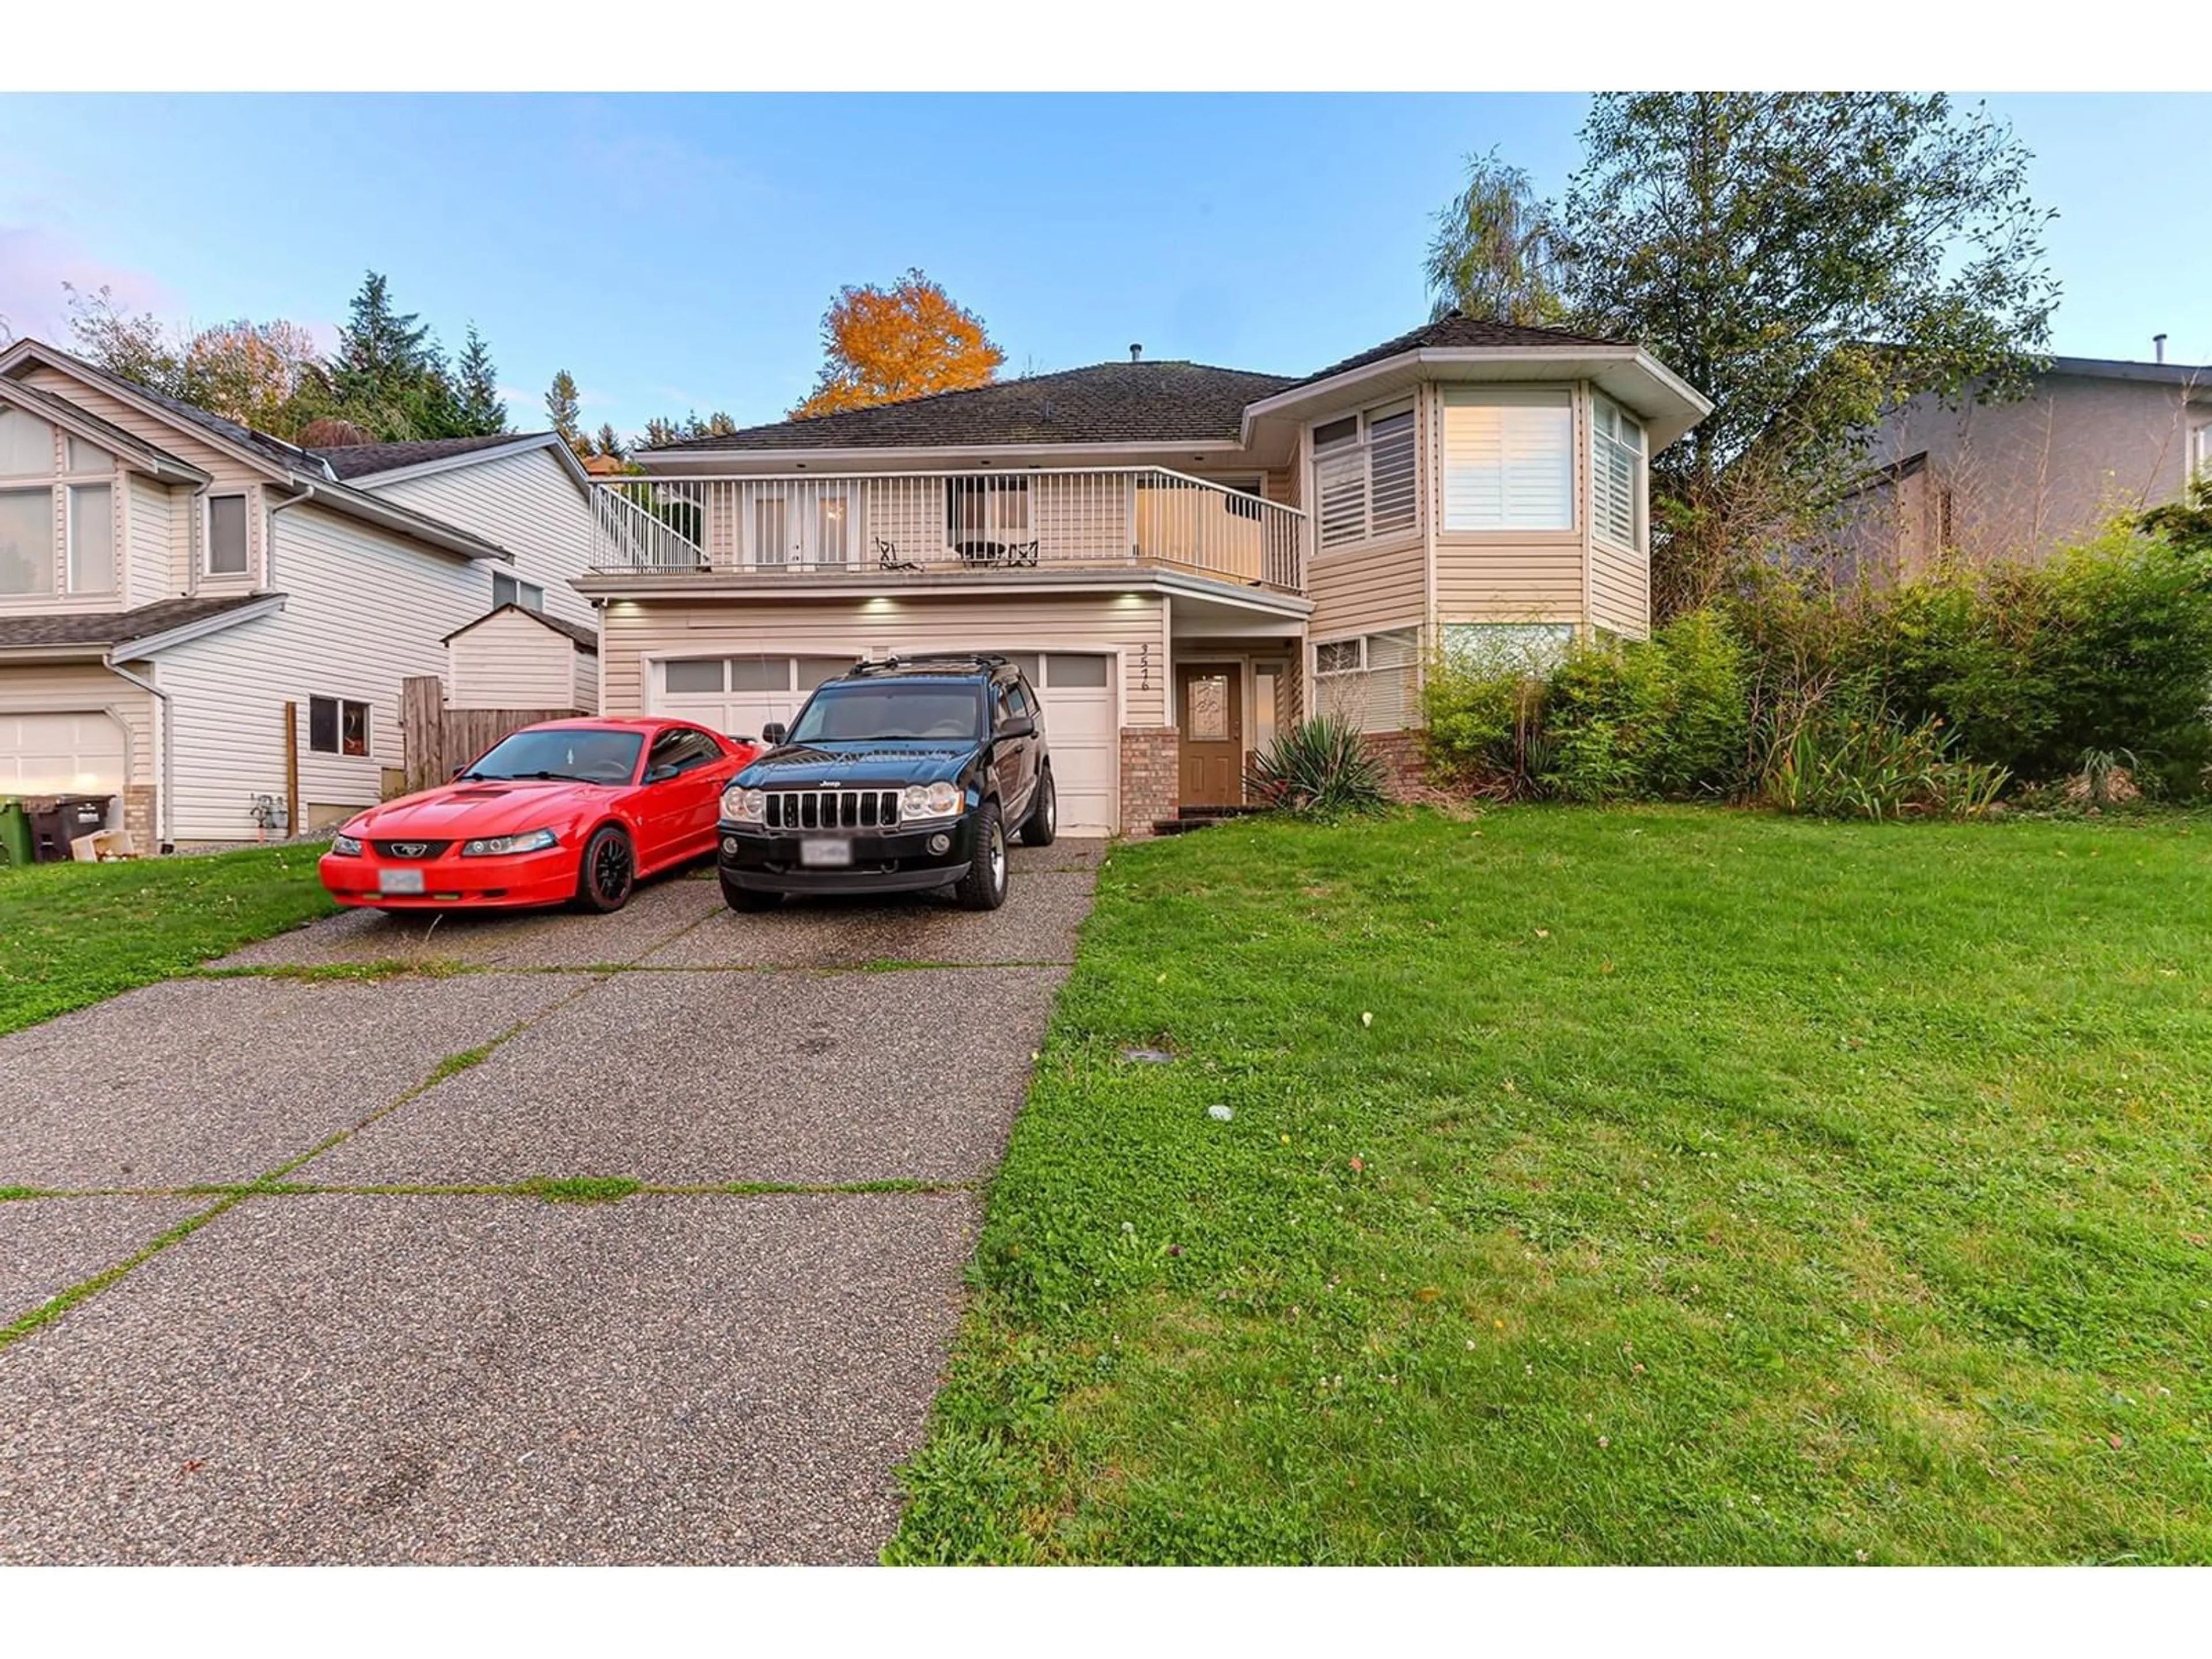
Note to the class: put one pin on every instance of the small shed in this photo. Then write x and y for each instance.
(517, 658)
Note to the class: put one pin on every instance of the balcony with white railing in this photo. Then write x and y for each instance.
(888, 526)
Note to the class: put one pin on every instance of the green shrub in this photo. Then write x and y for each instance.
(1478, 725)
(1877, 769)
(1322, 766)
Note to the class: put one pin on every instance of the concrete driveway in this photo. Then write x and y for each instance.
(715, 1345)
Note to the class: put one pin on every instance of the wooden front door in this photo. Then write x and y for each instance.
(1209, 698)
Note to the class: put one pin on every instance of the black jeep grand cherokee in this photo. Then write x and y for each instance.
(895, 776)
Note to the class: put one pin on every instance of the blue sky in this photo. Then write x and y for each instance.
(676, 252)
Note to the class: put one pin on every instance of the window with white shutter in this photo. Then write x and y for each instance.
(1616, 472)
(1366, 477)
(1372, 682)
(1509, 459)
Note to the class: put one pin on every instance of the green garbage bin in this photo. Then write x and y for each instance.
(15, 832)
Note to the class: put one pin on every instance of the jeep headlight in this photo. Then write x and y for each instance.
(743, 806)
(531, 841)
(345, 846)
(929, 801)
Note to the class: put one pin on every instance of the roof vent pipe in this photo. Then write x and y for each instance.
(1137, 352)
(2158, 348)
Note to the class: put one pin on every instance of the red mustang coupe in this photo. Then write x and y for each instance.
(566, 811)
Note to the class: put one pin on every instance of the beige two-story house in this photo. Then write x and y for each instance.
(210, 627)
(1184, 558)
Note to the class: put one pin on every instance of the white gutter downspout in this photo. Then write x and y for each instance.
(165, 741)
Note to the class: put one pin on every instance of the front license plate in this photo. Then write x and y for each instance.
(835, 852)
(400, 881)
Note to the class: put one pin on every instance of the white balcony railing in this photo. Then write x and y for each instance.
(887, 525)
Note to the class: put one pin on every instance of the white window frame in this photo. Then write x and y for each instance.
(68, 571)
(1359, 448)
(207, 535)
(522, 595)
(56, 577)
(2199, 441)
(1552, 399)
(1607, 419)
(367, 726)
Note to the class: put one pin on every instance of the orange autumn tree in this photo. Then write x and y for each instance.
(884, 345)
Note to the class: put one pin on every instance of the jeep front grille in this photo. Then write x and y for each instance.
(832, 809)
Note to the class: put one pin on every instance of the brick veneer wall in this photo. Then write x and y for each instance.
(1151, 776)
(138, 818)
(1401, 757)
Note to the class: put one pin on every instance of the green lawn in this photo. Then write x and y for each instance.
(72, 935)
(1638, 1186)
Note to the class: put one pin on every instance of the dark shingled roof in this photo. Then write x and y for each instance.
(364, 461)
(586, 639)
(1454, 330)
(115, 628)
(1161, 402)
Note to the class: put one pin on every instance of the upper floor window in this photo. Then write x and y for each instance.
(507, 590)
(226, 536)
(1509, 459)
(57, 532)
(27, 446)
(26, 542)
(1366, 476)
(1616, 472)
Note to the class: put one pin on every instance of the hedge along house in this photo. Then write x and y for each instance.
(1186, 558)
(171, 581)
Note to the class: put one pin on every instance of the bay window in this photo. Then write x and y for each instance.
(1616, 474)
(1366, 477)
(1509, 459)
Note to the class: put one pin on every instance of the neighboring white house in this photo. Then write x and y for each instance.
(172, 583)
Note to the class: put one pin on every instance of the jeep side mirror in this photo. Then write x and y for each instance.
(1020, 727)
(773, 734)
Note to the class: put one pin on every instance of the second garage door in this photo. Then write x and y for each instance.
(81, 754)
(739, 695)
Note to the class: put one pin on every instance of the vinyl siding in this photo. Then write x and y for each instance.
(637, 633)
(527, 504)
(149, 572)
(84, 687)
(363, 610)
(1360, 590)
(510, 662)
(584, 675)
(1620, 590)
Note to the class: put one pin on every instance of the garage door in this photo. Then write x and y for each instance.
(739, 695)
(62, 754)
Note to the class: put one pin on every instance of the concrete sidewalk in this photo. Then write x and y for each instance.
(378, 1371)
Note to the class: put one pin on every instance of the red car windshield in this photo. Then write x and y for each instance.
(578, 755)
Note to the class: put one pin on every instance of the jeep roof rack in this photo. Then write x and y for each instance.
(949, 659)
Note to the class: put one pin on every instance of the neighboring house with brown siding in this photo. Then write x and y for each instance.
(2091, 440)
(170, 580)
(1185, 558)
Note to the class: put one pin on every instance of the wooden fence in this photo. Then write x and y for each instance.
(439, 739)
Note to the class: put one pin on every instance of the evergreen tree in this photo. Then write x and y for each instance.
(482, 408)
(382, 353)
(563, 409)
(609, 443)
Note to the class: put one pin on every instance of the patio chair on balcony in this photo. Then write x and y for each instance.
(887, 556)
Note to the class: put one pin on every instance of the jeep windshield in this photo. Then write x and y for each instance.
(576, 754)
(892, 714)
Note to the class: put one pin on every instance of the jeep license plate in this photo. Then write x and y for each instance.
(833, 852)
(400, 881)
